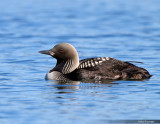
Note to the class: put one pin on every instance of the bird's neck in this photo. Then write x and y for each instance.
(70, 65)
(66, 66)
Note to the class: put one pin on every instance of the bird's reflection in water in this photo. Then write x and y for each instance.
(100, 81)
(59, 84)
(67, 89)
(64, 90)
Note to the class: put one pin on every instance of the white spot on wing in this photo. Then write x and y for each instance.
(107, 58)
(83, 65)
(86, 64)
(89, 65)
(103, 58)
(92, 63)
(100, 62)
(96, 63)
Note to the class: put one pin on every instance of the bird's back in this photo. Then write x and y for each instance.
(108, 68)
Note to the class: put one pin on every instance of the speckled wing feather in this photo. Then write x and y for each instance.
(92, 62)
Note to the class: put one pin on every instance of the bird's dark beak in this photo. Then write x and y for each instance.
(47, 52)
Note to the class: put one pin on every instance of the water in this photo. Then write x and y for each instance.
(128, 30)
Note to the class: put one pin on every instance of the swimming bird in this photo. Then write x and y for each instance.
(69, 67)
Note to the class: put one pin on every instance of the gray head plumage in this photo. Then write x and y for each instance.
(66, 55)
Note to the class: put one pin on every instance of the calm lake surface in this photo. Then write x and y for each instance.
(127, 30)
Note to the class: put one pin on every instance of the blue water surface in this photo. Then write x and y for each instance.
(127, 30)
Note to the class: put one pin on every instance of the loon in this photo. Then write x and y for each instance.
(69, 67)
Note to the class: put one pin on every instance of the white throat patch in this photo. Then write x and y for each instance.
(55, 75)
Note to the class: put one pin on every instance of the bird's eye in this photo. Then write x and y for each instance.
(61, 50)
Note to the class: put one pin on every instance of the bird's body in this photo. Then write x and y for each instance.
(69, 67)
